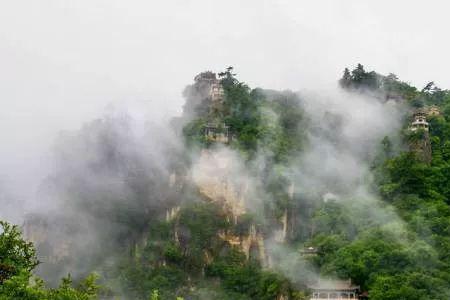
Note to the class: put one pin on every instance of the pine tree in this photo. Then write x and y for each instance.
(346, 79)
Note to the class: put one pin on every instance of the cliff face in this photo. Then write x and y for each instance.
(49, 237)
(421, 145)
(419, 137)
(217, 180)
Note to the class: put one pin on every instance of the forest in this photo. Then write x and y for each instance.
(349, 178)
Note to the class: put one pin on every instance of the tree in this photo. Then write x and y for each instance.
(358, 74)
(428, 87)
(228, 77)
(346, 79)
(16, 255)
(17, 261)
(410, 286)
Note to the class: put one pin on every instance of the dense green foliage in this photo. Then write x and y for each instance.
(406, 258)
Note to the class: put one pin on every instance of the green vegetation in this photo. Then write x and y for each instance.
(410, 261)
(185, 263)
(17, 261)
(260, 120)
(396, 246)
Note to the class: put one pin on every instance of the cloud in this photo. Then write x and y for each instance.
(63, 62)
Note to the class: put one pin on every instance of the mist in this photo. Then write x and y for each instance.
(89, 92)
(344, 138)
(343, 133)
(62, 63)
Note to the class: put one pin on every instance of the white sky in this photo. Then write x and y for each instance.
(62, 62)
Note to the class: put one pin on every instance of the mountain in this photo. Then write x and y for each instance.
(257, 194)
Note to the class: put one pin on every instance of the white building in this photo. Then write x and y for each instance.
(334, 290)
(419, 121)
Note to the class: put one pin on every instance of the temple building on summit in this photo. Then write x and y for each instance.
(420, 144)
(419, 121)
(216, 91)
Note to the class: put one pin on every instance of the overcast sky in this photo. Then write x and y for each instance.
(62, 62)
